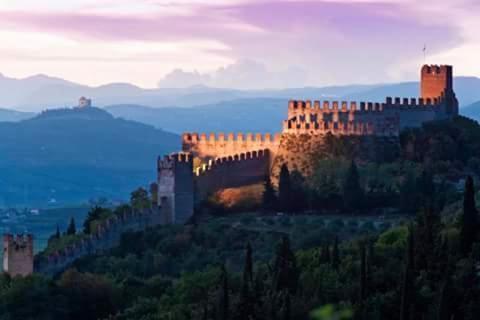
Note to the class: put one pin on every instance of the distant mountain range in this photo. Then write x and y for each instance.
(42, 92)
(472, 111)
(73, 155)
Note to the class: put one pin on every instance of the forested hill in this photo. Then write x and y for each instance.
(72, 155)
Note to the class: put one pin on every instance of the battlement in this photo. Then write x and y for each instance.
(437, 69)
(18, 254)
(231, 137)
(300, 106)
(168, 161)
(214, 146)
(341, 128)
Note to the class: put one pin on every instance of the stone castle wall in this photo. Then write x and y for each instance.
(106, 236)
(217, 146)
(231, 172)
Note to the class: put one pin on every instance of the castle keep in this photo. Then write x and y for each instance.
(212, 162)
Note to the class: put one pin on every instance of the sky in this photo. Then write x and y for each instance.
(246, 44)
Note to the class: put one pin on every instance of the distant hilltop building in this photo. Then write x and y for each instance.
(84, 103)
(231, 161)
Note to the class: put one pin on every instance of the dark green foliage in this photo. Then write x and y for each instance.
(285, 268)
(72, 229)
(95, 215)
(409, 194)
(352, 190)
(140, 200)
(223, 304)
(336, 255)
(363, 273)
(469, 221)
(407, 292)
(269, 196)
(285, 190)
(57, 233)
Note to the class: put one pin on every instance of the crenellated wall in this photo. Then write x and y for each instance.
(105, 237)
(231, 172)
(217, 146)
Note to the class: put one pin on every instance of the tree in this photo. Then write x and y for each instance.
(427, 188)
(407, 293)
(71, 230)
(469, 221)
(57, 233)
(93, 215)
(335, 255)
(363, 273)
(285, 189)
(246, 306)
(223, 311)
(139, 199)
(352, 190)
(286, 273)
(409, 194)
(269, 196)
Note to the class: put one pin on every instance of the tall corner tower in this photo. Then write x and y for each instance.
(437, 83)
(18, 255)
(175, 188)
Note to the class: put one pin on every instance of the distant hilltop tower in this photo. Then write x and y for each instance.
(18, 255)
(84, 102)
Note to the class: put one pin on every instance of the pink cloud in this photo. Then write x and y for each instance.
(331, 39)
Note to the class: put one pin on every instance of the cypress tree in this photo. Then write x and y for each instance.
(427, 188)
(246, 306)
(407, 293)
(223, 296)
(285, 270)
(335, 255)
(57, 233)
(287, 307)
(248, 269)
(469, 223)
(71, 230)
(284, 189)
(363, 273)
(352, 190)
(269, 197)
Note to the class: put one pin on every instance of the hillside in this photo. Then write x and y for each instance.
(472, 111)
(7, 115)
(74, 155)
(244, 115)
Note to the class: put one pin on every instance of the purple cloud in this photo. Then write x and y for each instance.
(335, 41)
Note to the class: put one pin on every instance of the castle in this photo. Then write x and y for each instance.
(209, 163)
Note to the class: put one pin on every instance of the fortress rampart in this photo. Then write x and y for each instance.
(106, 236)
(231, 172)
(217, 146)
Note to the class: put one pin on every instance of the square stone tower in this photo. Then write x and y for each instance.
(437, 83)
(176, 188)
(18, 255)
